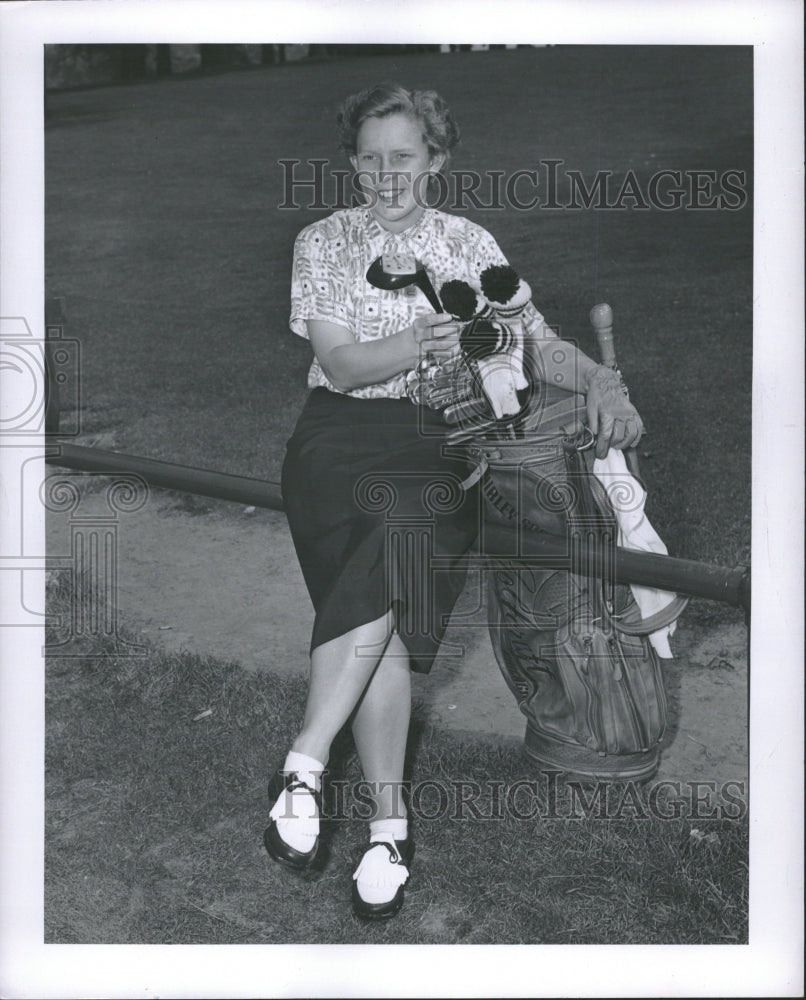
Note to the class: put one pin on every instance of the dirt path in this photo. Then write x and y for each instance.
(217, 580)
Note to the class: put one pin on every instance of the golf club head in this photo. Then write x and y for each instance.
(391, 271)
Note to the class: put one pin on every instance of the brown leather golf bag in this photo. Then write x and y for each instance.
(571, 646)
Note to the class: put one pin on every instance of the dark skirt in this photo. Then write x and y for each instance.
(378, 517)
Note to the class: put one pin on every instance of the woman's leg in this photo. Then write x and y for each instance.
(340, 672)
(380, 730)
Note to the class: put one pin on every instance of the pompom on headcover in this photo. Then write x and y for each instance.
(460, 300)
(499, 282)
(504, 290)
(494, 348)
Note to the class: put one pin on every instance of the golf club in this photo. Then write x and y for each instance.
(391, 271)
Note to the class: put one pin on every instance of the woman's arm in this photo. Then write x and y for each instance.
(349, 364)
(611, 416)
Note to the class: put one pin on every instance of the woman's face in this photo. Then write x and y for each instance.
(393, 163)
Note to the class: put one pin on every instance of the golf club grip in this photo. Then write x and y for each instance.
(602, 319)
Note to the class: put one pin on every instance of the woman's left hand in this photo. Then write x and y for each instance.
(611, 416)
(443, 342)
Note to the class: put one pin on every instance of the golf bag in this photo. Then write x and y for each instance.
(571, 645)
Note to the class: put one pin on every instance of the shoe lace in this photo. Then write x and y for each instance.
(291, 805)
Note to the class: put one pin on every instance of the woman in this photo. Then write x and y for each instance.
(362, 458)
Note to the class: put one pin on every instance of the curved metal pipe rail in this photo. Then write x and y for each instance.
(716, 583)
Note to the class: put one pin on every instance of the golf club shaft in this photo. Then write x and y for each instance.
(425, 286)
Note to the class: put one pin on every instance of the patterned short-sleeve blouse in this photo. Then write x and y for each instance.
(329, 283)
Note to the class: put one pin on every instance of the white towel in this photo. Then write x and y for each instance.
(635, 532)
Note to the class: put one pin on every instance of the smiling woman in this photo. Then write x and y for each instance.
(374, 501)
(393, 165)
(402, 143)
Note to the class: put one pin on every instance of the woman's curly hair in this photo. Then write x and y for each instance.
(440, 131)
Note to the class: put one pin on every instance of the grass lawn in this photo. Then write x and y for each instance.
(165, 241)
(154, 822)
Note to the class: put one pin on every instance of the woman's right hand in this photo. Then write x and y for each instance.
(437, 334)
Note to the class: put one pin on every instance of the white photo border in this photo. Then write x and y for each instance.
(771, 964)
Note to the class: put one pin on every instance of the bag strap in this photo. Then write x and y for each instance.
(482, 466)
(631, 622)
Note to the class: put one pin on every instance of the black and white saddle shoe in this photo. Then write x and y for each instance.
(278, 849)
(384, 871)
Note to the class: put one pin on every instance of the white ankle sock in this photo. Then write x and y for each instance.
(295, 812)
(384, 829)
(308, 768)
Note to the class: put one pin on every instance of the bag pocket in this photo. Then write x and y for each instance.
(615, 691)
